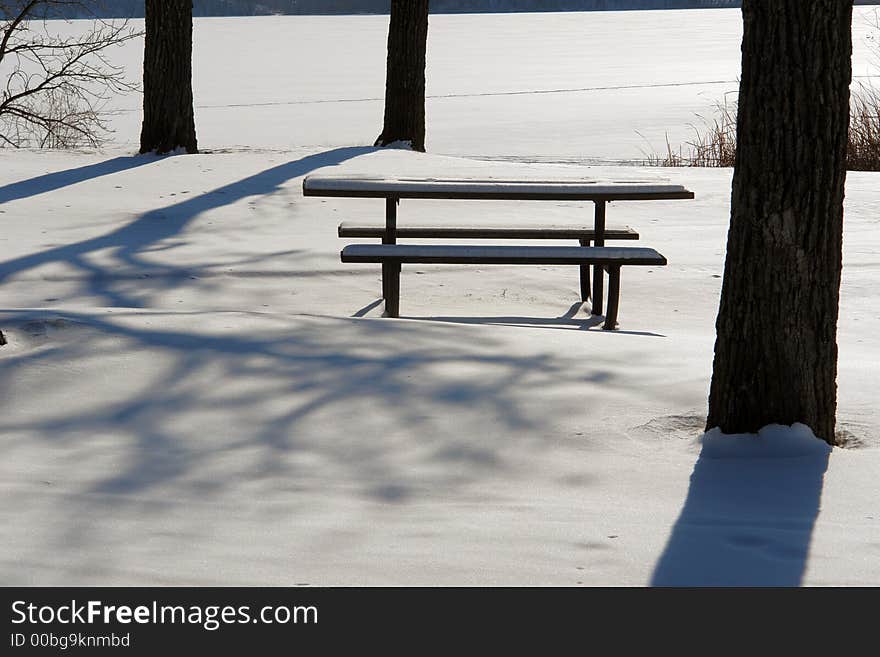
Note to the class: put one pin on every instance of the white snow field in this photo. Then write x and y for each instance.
(196, 391)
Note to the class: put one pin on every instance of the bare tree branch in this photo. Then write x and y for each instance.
(57, 87)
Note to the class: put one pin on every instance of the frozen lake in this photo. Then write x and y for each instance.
(566, 87)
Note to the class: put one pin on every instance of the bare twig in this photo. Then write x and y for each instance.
(56, 87)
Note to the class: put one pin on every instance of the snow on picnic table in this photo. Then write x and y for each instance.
(396, 171)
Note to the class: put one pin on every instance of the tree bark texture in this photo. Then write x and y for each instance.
(776, 345)
(405, 74)
(168, 98)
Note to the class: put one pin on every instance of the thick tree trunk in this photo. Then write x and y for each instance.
(168, 99)
(405, 76)
(776, 347)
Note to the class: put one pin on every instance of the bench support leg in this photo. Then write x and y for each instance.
(391, 270)
(585, 277)
(386, 278)
(392, 290)
(613, 297)
(598, 274)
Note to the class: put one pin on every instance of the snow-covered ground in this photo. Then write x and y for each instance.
(196, 390)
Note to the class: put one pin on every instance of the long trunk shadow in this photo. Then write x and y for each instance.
(747, 520)
(130, 241)
(57, 179)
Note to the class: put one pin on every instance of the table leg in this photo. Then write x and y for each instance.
(598, 270)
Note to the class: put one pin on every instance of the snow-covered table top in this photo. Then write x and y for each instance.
(377, 186)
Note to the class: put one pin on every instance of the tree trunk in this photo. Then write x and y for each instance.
(776, 346)
(168, 99)
(405, 75)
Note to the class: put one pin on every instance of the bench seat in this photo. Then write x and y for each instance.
(522, 232)
(502, 255)
(393, 255)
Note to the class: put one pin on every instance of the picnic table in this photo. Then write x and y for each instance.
(600, 257)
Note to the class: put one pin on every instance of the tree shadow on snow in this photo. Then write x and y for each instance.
(57, 179)
(380, 412)
(406, 372)
(130, 242)
(746, 522)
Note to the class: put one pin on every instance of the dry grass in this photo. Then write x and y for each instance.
(713, 145)
(863, 148)
(714, 142)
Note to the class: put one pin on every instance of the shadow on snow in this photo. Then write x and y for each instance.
(130, 242)
(57, 179)
(746, 522)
